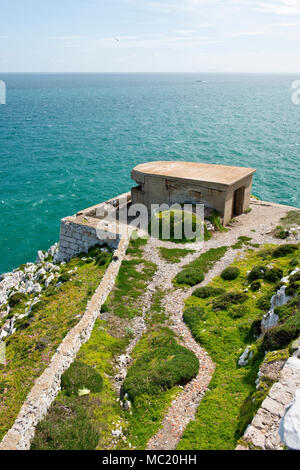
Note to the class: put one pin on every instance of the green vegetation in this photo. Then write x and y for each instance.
(208, 291)
(30, 349)
(194, 272)
(190, 276)
(231, 273)
(287, 329)
(284, 250)
(281, 233)
(160, 364)
(131, 282)
(242, 241)
(291, 218)
(232, 400)
(81, 376)
(170, 226)
(16, 299)
(226, 300)
(216, 221)
(174, 255)
(86, 422)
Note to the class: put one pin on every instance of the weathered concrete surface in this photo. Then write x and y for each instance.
(224, 188)
(47, 386)
(194, 171)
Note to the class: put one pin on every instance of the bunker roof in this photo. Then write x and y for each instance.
(192, 171)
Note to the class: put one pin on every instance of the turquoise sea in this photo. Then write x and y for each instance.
(68, 141)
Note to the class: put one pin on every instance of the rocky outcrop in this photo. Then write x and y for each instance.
(280, 298)
(263, 432)
(289, 429)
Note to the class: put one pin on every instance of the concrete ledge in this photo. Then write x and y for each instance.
(47, 385)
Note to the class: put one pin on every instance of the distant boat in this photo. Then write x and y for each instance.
(199, 81)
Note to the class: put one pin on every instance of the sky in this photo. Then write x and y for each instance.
(261, 36)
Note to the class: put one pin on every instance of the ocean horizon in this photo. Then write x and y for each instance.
(69, 141)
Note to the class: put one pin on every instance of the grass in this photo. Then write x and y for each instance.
(194, 272)
(291, 218)
(174, 255)
(30, 349)
(86, 422)
(229, 405)
(109, 340)
(131, 282)
(170, 225)
(160, 364)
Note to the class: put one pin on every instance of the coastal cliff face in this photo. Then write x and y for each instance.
(121, 309)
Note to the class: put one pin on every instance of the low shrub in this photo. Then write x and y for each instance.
(255, 329)
(207, 291)
(79, 376)
(255, 286)
(224, 301)
(231, 273)
(192, 315)
(273, 275)
(164, 365)
(279, 337)
(258, 272)
(102, 258)
(64, 277)
(294, 262)
(281, 233)
(67, 427)
(284, 250)
(238, 312)
(190, 276)
(263, 303)
(16, 299)
(288, 310)
(171, 225)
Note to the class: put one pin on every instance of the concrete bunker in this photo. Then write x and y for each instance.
(227, 189)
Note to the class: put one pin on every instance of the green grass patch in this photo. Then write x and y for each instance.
(291, 218)
(30, 349)
(160, 365)
(174, 255)
(85, 422)
(194, 272)
(170, 225)
(131, 283)
(229, 405)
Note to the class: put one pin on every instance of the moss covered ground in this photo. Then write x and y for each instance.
(30, 349)
(225, 329)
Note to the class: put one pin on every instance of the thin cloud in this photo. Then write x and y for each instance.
(280, 7)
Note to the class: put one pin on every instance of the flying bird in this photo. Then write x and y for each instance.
(116, 39)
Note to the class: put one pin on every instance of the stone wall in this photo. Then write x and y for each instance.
(77, 238)
(263, 432)
(47, 386)
(87, 228)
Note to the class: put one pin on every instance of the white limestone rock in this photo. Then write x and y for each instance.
(49, 280)
(40, 257)
(33, 287)
(289, 429)
(245, 357)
